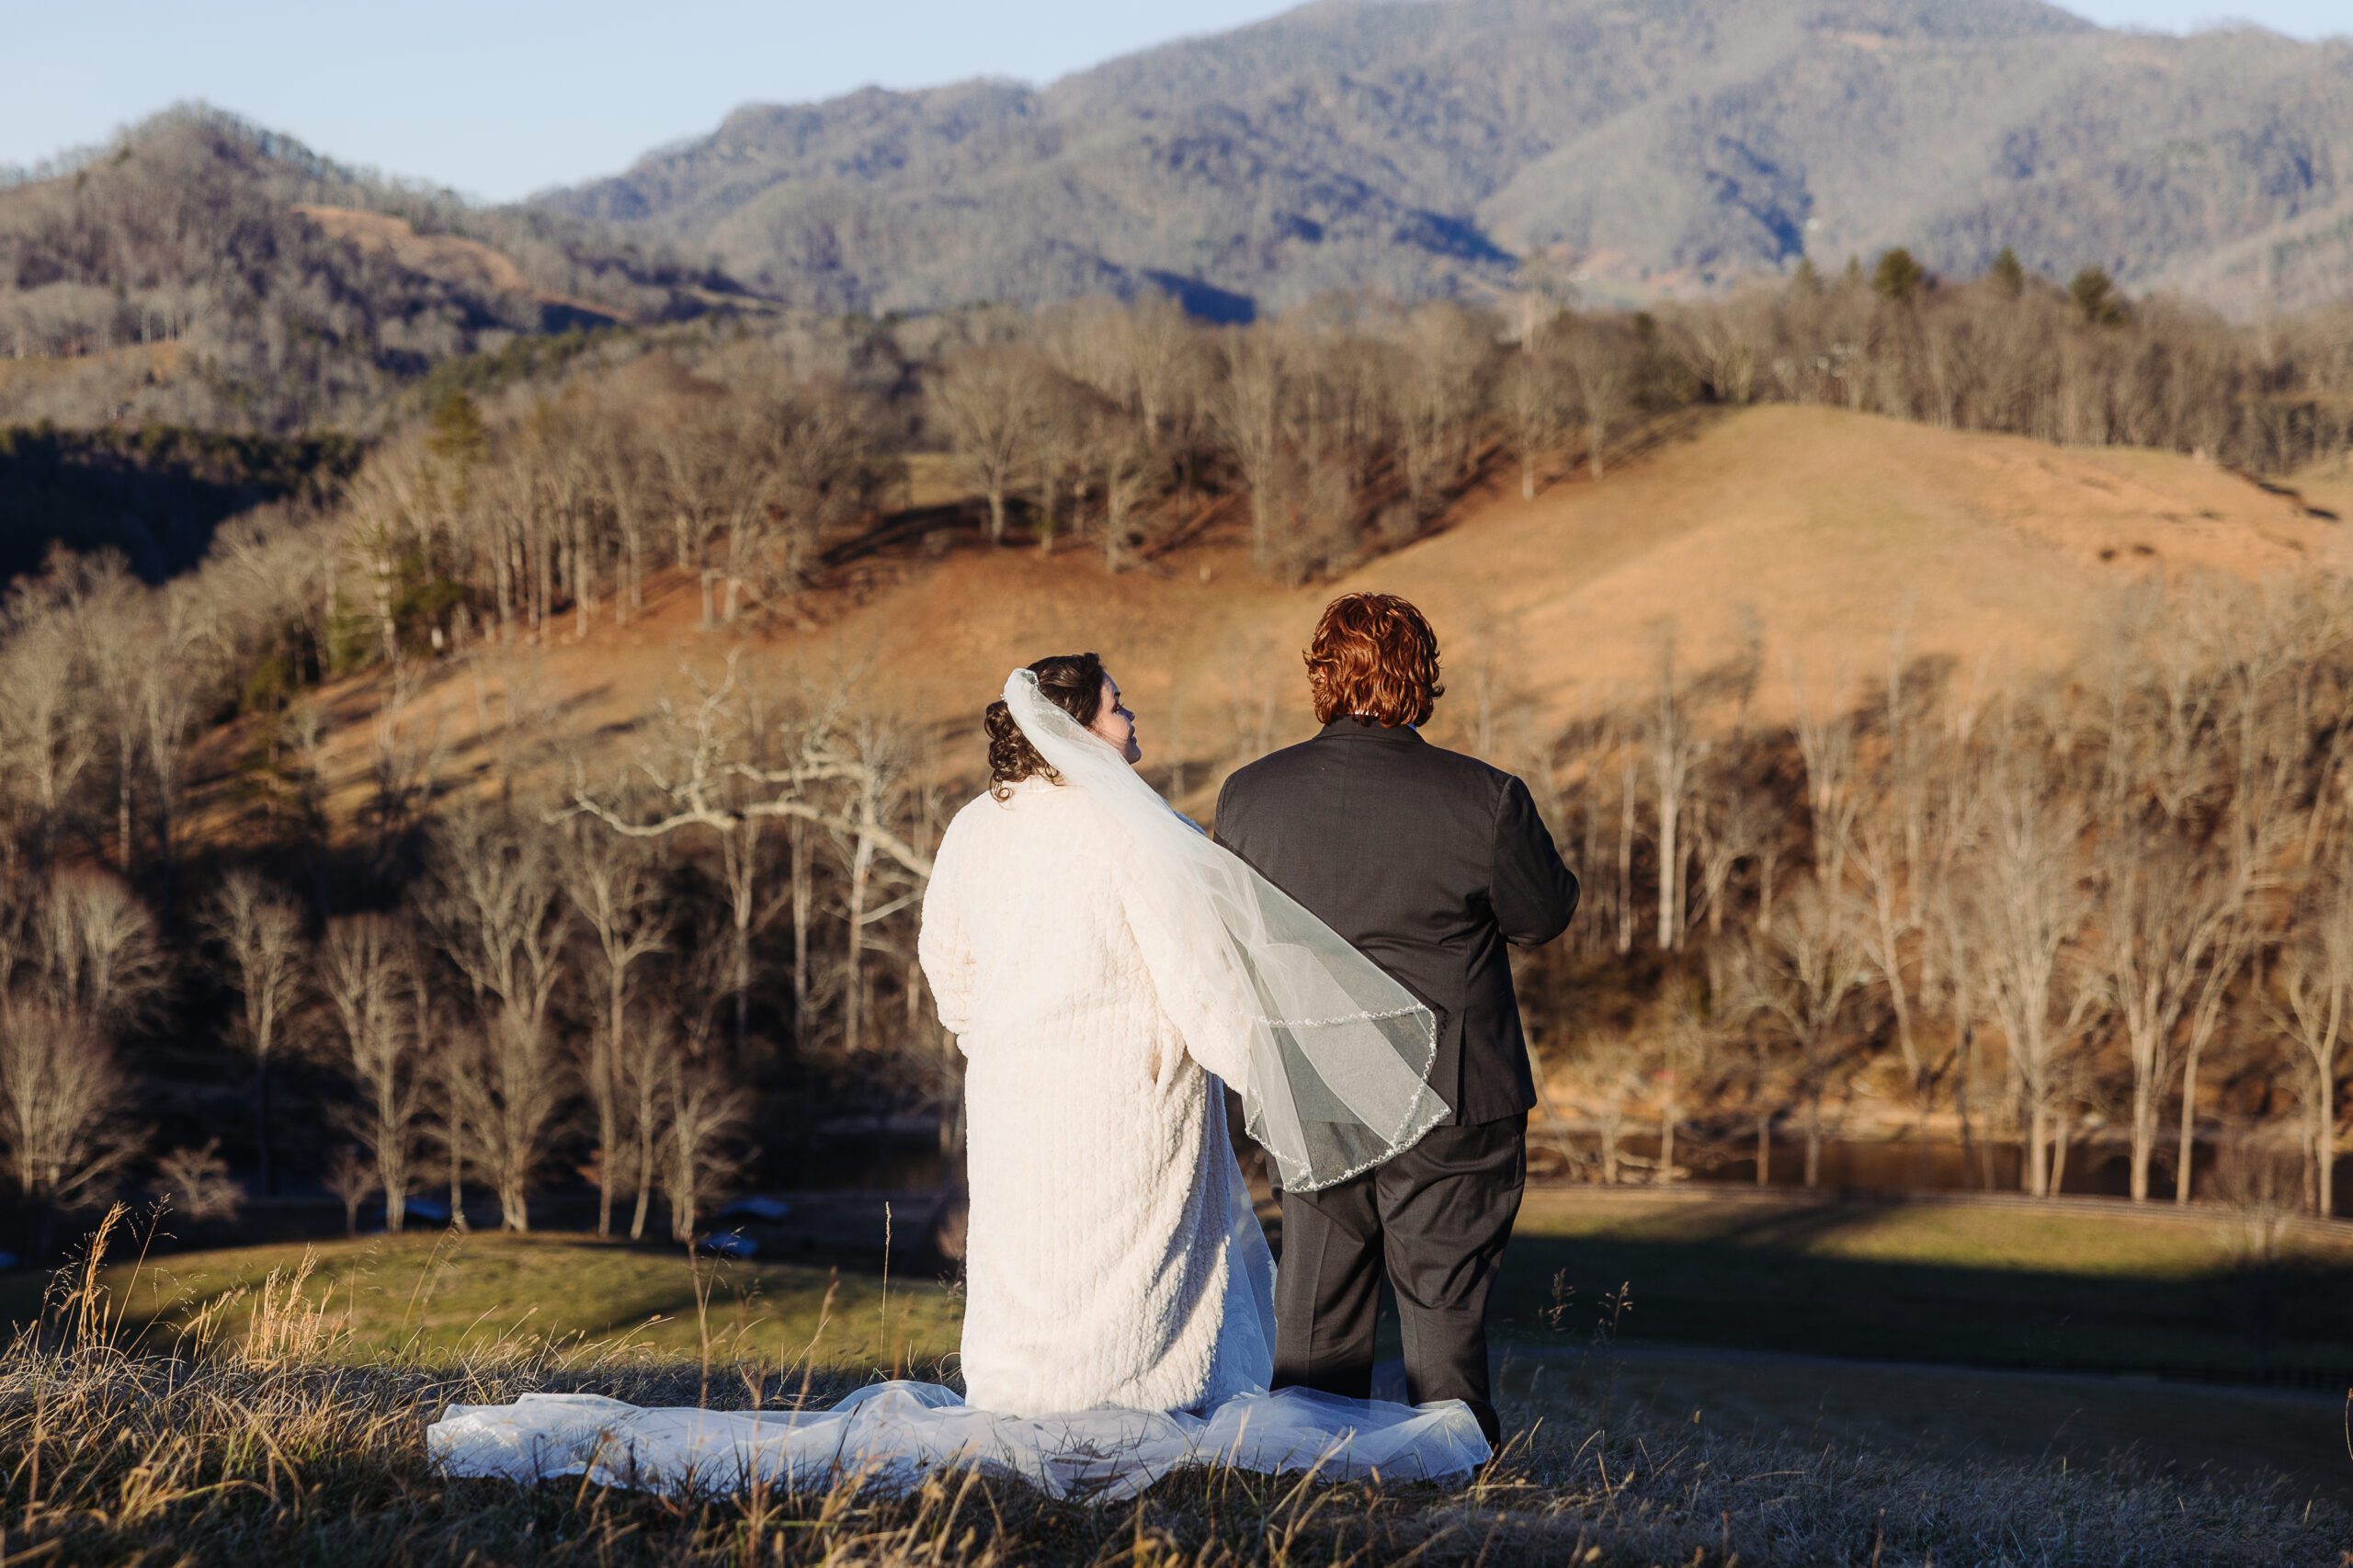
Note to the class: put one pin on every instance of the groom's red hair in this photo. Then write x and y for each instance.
(1373, 657)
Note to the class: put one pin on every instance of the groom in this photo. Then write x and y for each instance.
(1430, 862)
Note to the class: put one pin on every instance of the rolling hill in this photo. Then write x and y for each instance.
(1824, 532)
(1426, 147)
(204, 271)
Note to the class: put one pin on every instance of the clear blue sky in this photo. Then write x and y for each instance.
(501, 98)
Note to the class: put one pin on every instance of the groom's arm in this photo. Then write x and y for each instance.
(1531, 890)
(1227, 826)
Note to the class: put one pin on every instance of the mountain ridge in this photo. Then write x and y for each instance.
(1425, 147)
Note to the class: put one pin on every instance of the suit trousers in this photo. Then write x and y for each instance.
(1437, 1217)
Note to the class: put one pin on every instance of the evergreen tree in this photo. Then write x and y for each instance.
(1900, 277)
(2094, 294)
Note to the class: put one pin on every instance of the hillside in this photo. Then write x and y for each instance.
(1424, 148)
(1826, 530)
(462, 262)
(204, 272)
(155, 495)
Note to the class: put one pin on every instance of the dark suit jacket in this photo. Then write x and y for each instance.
(1429, 862)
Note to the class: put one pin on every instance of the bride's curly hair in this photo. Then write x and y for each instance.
(1373, 657)
(1072, 682)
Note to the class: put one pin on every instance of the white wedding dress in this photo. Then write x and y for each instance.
(1119, 1296)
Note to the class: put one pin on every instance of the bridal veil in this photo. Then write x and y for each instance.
(1339, 1052)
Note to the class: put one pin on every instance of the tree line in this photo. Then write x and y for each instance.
(2110, 902)
(756, 459)
(574, 980)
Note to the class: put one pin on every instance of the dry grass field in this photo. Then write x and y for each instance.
(270, 1416)
(269, 1403)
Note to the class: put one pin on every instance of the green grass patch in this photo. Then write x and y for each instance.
(439, 1295)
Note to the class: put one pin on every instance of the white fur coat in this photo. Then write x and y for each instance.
(1112, 1259)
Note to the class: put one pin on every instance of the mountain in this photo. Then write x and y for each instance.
(1654, 147)
(204, 271)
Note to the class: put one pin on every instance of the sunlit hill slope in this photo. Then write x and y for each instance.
(1823, 539)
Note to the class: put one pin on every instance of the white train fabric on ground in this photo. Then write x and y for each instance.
(892, 1435)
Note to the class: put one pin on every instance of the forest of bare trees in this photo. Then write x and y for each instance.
(2104, 912)
(2106, 907)
(1342, 428)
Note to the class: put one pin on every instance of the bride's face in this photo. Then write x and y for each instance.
(1116, 724)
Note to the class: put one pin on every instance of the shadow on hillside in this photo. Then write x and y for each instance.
(1773, 1280)
(156, 493)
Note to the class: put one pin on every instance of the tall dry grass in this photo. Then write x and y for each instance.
(239, 1441)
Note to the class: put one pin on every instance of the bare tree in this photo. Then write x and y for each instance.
(742, 862)
(991, 400)
(63, 1104)
(828, 472)
(2027, 907)
(628, 485)
(1732, 824)
(363, 971)
(350, 1178)
(800, 851)
(722, 766)
(1687, 1040)
(2235, 942)
(503, 1077)
(1629, 797)
(1157, 359)
(1599, 371)
(611, 881)
(1246, 407)
(405, 755)
(648, 1050)
(497, 906)
(377, 527)
(876, 754)
(1725, 346)
(167, 713)
(1531, 401)
(96, 947)
(1675, 751)
(108, 616)
(2315, 983)
(1889, 920)
(47, 742)
(262, 932)
(1834, 797)
(736, 470)
(1126, 459)
(1611, 1065)
(2164, 908)
(705, 1117)
(1807, 984)
(1446, 353)
(195, 1182)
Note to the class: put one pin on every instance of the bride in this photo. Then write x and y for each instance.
(1104, 967)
